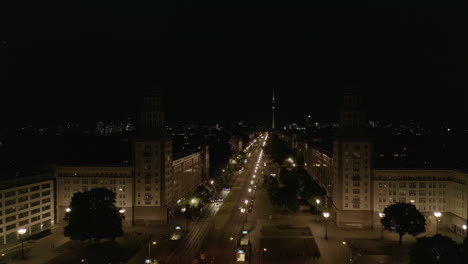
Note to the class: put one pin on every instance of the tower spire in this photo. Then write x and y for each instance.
(273, 111)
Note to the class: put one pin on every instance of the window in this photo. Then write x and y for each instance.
(356, 155)
(35, 203)
(147, 181)
(85, 188)
(356, 183)
(46, 215)
(35, 211)
(22, 199)
(356, 191)
(355, 205)
(24, 190)
(23, 206)
(10, 202)
(94, 181)
(10, 193)
(34, 188)
(10, 218)
(34, 196)
(47, 207)
(422, 192)
(10, 227)
(147, 201)
(24, 222)
(412, 185)
(36, 218)
(422, 199)
(45, 193)
(422, 185)
(402, 184)
(23, 215)
(84, 181)
(45, 185)
(412, 192)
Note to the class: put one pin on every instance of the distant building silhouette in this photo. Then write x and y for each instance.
(149, 188)
(358, 190)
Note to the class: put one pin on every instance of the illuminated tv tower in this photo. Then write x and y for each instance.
(273, 112)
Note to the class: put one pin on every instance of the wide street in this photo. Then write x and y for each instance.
(209, 236)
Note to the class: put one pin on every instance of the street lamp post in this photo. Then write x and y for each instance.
(243, 211)
(149, 248)
(261, 254)
(318, 202)
(326, 215)
(381, 216)
(437, 215)
(22, 231)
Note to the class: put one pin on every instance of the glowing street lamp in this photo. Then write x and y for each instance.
(326, 215)
(68, 210)
(21, 232)
(250, 190)
(264, 250)
(437, 215)
(381, 215)
(211, 182)
(243, 211)
(464, 228)
(149, 248)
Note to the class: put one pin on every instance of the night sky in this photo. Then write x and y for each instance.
(87, 62)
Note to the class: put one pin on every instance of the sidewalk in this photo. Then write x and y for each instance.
(41, 250)
(334, 250)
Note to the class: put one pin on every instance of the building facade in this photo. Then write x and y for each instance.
(148, 189)
(358, 190)
(72, 179)
(26, 203)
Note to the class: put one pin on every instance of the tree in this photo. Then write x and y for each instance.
(294, 187)
(278, 149)
(204, 192)
(403, 218)
(437, 249)
(93, 215)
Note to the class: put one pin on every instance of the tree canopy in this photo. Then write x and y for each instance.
(293, 187)
(437, 249)
(93, 215)
(278, 150)
(403, 218)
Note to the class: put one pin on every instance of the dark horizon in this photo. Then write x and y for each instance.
(220, 65)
